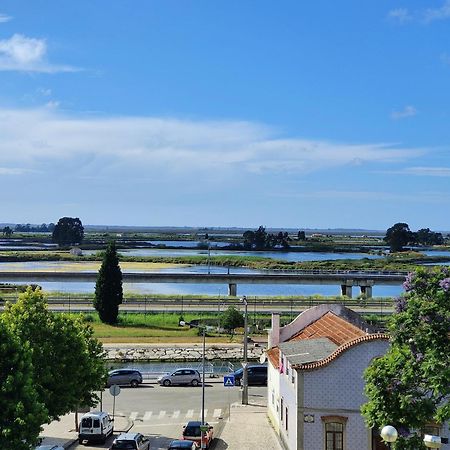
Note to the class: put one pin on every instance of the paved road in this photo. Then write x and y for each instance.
(160, 412)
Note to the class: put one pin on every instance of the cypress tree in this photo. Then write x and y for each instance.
(108, 288)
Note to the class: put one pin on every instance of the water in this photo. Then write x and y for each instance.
(211, 367)
(283, 256)
(220, 290)
(189, 243)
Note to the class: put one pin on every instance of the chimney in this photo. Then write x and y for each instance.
(274, 335)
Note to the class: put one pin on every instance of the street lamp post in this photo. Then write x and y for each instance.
(245, 363)
(389, 434)
(202, 432)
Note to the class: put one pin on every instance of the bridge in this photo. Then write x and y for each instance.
(346, 279)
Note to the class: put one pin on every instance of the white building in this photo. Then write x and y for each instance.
(315, 379)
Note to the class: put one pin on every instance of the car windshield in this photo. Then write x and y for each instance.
(124, 445)
(192, 430)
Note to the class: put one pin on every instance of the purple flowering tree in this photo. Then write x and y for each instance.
(409, 387)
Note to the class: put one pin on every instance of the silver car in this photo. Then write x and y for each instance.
(181, 376)
(131, 377)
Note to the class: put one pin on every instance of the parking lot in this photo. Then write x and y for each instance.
(160, 412)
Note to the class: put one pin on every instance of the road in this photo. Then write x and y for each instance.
(160, 412)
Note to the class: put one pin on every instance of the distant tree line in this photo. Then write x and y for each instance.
(44, 228)
(399, 235)
(261, 240)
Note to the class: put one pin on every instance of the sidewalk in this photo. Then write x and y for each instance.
(248, 427)
(62, 432)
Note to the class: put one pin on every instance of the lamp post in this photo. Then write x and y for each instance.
(245, 363)
(202, 432)
(389, 434)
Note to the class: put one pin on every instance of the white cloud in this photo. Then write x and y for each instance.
(407, 111)
(400, 15)
(424, 196)
(4, 18)
(428, 171)
(46, 138)
(12, 171)
(21, 53)
(441, 13)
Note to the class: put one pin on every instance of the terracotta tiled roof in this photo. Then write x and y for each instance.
(331, 326)
(273, 355)
(340, 350)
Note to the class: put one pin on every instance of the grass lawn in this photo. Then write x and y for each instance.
(154, 329)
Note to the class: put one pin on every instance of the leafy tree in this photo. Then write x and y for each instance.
(232, 318)
(409, 387)
(398, 236)
(260, 238)
(68, 231)
(301, 236)
(249, 239)
(21, 414)
(108, 288)
(425, 236)
(7, 231)
(67, 359)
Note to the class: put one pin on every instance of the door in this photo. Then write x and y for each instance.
(178, 377)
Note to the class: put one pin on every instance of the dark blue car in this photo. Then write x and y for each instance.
(177, 444)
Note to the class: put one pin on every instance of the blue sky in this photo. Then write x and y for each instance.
(294, 114)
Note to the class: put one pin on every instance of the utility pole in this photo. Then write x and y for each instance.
(245, 363)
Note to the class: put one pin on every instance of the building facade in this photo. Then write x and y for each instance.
(315, 379)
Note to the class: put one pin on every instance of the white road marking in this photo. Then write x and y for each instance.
(190, 413)
(205, 413)
(147, 415)
(176, 414)
(161, 414)
(133, 415)
(217, 413)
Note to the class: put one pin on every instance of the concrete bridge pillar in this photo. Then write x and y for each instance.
(346, 289)
(366, 291)
(232, 289)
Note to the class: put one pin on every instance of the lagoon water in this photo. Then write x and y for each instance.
(219, 290)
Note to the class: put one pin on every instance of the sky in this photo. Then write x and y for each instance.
(296, 114)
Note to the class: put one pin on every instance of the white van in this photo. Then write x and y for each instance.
(95, 426)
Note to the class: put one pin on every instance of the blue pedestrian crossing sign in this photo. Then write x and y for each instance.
(228, 380)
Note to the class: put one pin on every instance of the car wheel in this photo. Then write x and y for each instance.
(167, 383)
(134, 383)
(195, 382)
(80, 441)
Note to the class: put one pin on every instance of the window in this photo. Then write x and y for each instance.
(287, 367)
(281, 409)
(334, 427)
(334, 436)
(287, 419)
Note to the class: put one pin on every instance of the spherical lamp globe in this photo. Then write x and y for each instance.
(389, 433)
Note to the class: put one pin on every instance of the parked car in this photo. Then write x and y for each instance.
(180, 445)
(49, 447)
(131, 441)
(256, 374)
(124, 377)
(181, 376)
(192, 432)
(95, 426)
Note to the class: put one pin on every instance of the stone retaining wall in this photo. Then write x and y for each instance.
(180, 353)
